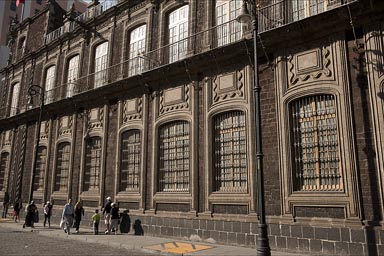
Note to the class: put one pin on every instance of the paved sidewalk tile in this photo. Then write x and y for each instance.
(155, 245)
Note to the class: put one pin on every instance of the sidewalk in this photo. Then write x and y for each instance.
(148, 244)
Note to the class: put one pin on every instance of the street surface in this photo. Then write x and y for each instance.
(24, 242)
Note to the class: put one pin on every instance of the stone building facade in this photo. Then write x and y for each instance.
(152, 102)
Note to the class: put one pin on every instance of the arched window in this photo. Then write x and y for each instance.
(38, 180)
(137, 50)
(92, 164)
(305, 8)
(230, 152)
(130, 161)
(315, 145)
(228, 29)
(73, 75)
(4, 165)
(62, 167)
(101, 63)
(15, 99)
(50, 84)
(178, 33)
(174, 157)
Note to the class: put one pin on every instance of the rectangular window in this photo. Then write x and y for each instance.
(101, 61)
(137, 51)
(13, 5)
(73, 75)
(50, 84)
(230, 153)
(178, 34)
(15, 99)
(174, 157)
(92, 164)
(41, 162)
(62, 167)
(228, 29)
(305, 8)
(130, 164)
(315, 144)
(4, 163)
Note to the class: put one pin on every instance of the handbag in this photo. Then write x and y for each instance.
(36, 217)
(62, 222)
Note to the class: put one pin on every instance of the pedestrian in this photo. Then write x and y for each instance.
(47, 213)
(5, 204)
(115, 218)
(16, 209)
(79, 211)
(107, 214)
(67, 216)
(96, 221)
(30, 216)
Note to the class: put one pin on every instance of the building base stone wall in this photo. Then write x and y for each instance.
(282, 237)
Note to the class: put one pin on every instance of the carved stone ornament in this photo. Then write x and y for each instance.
(44, 131)
(174, 99)
(65, 126)
(228, 86)
(6, 139)
(132, 110)
(95, 119)
(309, 65)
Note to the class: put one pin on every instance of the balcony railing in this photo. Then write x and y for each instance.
(70, 26)
(285, 12)
(215, 37)
(201, 42)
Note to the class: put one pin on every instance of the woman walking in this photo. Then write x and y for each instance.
(16, 210)
(115, 218)
(79, 211)
(67, 216)
(29, 218)
(47, 213)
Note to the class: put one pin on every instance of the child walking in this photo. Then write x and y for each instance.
(96, 220)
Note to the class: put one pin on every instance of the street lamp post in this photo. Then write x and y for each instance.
(262, 238)
(32, 91)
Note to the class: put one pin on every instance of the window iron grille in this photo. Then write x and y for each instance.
(316, 144)
(62, 167)
(92, 164)
(130, 164)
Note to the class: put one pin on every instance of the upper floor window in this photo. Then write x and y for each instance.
(315, 145)
(92, 164)
(50, 84)
(73, 75)
(178, 33)
(174, 157)
(13, 5)
(130, 163)
(4, 165)
(21, 46)
(62, 166)
(230, 153)
(101, 61)
(306, 8)
(136, 50)
(228, 29)
(38, 180)
(15, 99)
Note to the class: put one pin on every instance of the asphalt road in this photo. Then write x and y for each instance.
(23, 242)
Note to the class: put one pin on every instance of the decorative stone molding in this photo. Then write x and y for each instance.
(228, 86)
(310, 65)
(44, 131)
(174, 99)
(65, 126)
(95, 119)
(132, 110)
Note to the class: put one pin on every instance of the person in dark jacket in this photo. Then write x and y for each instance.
(107, 214)
(79, 212)
(5, 204)
(48, 213)
(16, 209)
(29, 218)
(115, 217)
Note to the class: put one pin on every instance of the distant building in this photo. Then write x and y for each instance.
(9, 10)
(152, 102)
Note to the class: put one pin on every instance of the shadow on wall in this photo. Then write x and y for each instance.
(138, 228)
(125, 225)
